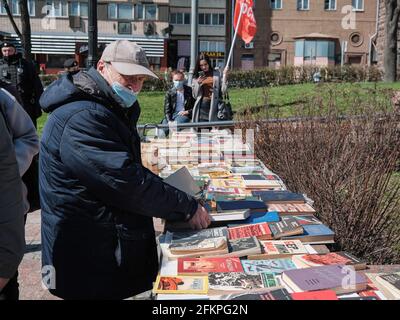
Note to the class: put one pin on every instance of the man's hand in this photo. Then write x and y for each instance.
(201, 219)
(3, 282)
(183, 113)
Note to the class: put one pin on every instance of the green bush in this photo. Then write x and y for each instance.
(295, 75)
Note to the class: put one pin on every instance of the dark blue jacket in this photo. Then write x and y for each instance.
(97, 199)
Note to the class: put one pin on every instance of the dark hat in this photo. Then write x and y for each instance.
(69, 63)
(6, 44)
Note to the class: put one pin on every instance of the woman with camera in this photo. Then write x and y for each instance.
(208, 90)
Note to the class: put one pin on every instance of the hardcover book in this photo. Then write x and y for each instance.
(279, 196)
(234, 281)
(314, 234)
(391, 282)
(286, 227)
(253, 205)
(333, 277)
(291, 208)
(304, 220)
(279, 249)
(181, 285)
(258, 217)
(315, 295)
(260, 230)
(276, 266)
(242, 247)
(201, 266)
(343, 258)
(276, 294)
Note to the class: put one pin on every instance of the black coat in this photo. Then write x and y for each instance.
(23, 75)
(97, 199)
(170, 102)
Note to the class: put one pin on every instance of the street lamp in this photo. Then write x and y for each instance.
(92, 34)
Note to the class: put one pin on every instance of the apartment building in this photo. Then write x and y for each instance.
(304, 32)
(212, 31)
(60, 28)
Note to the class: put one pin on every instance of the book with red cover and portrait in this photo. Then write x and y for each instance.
(201, 266)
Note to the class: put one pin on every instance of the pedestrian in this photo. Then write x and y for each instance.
(178, 101)
(71, 66)
(23, 75)
(208, 89)
(25, 146)
(98, 201)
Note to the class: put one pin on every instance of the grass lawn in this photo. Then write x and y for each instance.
(284, 100)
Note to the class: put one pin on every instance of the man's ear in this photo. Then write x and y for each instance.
(100, 66)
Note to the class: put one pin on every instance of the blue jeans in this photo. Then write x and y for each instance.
(178, 119)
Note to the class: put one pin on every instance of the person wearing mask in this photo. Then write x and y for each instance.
(23, 75)
(208, 89)
(178, 101)
(98, 201)
(26, 146)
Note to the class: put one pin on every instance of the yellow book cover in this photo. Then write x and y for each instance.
(181, 284)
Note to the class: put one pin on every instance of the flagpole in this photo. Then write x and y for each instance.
(233, 43)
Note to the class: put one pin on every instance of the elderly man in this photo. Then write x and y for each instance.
(98, 200)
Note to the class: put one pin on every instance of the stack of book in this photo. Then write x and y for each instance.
(265, 242)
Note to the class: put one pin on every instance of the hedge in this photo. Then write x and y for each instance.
(272, 77)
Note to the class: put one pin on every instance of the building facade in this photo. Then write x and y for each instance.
(309, 32)
(212, 31)
(60, 28)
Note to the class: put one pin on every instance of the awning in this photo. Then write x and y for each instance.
(316, 35)
(65, 43)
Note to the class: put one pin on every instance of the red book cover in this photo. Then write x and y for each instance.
(260, 230)
(369, 293)
(315, 295)
(206, 265)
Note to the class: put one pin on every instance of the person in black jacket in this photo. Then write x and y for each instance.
(178, 101)
(98, 201)
(23, 75)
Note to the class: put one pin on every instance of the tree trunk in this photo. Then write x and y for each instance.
(390, 53)
(26, 29)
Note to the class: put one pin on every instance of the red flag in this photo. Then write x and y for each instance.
(248, 27)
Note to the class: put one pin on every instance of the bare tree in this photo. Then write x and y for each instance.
(25, 35)
(392, 8)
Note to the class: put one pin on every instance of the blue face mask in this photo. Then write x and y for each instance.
(128, 97)
(178, 84)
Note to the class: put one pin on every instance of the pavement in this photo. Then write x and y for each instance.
(30, 280)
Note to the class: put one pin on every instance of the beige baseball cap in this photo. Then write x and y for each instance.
(127, 58)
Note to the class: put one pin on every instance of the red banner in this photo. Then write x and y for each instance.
(247, 27)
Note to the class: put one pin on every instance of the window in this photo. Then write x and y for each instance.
(358, 5)
(180, 18)
(311, 49)
(214, 19)
(303, 5)
(57, 8)
(120, 11)
(146, 12)
(276, 4)
(124, 28)
(14, 7)
(212, 46)
(79, 9)
(330, 4)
